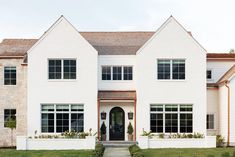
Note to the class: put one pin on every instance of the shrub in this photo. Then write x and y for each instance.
(71, 134)
(103, 129)
(99, 150)
(135, 151)
(226, 154)
(145, 133)
(130, 129)
(82, 135)
(219, 141)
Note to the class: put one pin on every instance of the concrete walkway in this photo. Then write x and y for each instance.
(116, 152)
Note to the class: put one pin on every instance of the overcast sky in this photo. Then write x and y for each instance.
(212, 22)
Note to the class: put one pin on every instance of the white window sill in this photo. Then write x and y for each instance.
(63, 80)
(171, 80)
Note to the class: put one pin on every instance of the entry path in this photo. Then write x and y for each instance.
(116, 152)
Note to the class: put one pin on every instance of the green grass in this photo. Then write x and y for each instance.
(186, 152)
(39, 153)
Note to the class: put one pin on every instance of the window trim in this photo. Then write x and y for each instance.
(122, 76)
(62, 70)
(178, 114)
(4, 116)
(9, 85)
(214, 121)
(171, 70)
(54, 112)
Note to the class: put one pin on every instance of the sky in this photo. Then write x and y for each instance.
(212, 22)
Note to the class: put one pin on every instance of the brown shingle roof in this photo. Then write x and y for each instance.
(221, 55)
(106, 43)
(117, 95)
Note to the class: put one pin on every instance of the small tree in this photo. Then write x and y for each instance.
(130, 129)
(231, 51)
(11, 123)
(103, 129)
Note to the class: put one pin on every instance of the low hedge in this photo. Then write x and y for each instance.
(135, 151)
(99, 150)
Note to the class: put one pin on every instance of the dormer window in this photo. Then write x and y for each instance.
(209, 74)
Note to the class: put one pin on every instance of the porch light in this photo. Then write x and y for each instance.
(103, 115)
(130, 115)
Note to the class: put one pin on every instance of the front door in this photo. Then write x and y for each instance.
(116, 124)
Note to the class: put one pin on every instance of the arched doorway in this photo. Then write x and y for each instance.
(116, 124)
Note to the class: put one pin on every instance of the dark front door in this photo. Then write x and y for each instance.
(116, 124)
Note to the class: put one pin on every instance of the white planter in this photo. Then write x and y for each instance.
(207, 142)
(55, 144)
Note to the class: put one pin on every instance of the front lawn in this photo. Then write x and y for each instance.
(186, 152)
(45, 153)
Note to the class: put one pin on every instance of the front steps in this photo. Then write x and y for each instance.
(117, 143)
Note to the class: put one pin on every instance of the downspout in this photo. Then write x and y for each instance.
(228, 138)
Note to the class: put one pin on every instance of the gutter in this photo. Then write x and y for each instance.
(228, 137)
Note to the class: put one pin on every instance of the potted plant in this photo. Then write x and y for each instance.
(103, 132)
(130, 132)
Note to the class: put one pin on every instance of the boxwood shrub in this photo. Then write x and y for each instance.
(99, 150)
(135, 151)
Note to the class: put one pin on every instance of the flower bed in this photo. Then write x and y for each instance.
(25, 143)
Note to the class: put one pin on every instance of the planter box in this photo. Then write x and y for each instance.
(207, 142)
(24, 143)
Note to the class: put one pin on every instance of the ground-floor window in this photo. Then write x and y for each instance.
(171, 118)
(58, 118)
(9, 114)
(210, 120)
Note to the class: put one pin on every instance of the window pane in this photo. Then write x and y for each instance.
(210, 121)
(47, 122)
(127, 73)
(171, 123)
(47, 108)
(76, 107)
(171, 108)
(156, 108)
(9, 75)
(117, 73)
(62, 107)
(9, 114)
(77, 122)
(208, 74)
(178, 67)
(62, 122)
(186, 123)
(106, 73)
(186, 108)
(69, 69)
(156, 122)
(163, 69)
(54, 69)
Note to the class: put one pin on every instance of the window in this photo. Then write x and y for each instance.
(171, 118)
(58, 118)
(209, 74)
(171, 69)
(117, 73)
(210, 121)
(69, 69)
(9, 75)
(9, 114)
(62, 69)
(127, 73)
(106, 73)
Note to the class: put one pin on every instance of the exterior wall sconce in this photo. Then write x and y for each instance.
(130, 115)
(103, 115)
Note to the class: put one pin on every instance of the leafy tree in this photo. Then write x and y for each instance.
(231, 51)
(11, 123)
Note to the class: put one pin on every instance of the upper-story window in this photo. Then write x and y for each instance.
(117, 73)
(171, 69)
(209, 74)
(9, 114)
(62, 69)
(9, 75)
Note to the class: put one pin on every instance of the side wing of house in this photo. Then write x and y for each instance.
(62, 82)
(171, 82)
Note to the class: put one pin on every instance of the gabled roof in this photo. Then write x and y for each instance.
(227, 75)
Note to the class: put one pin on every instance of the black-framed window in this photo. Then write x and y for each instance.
(210, 121)
(209, 74)
(58, 118)
(62, 69)
(106, 72)
(55, 69)
(127, 73)
(117, 73)
(69, 69)
(170, 69)
(10, 75)
(164, 69)
(171, 118)
(9, 114)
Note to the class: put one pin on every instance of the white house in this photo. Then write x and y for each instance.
(162, 81)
